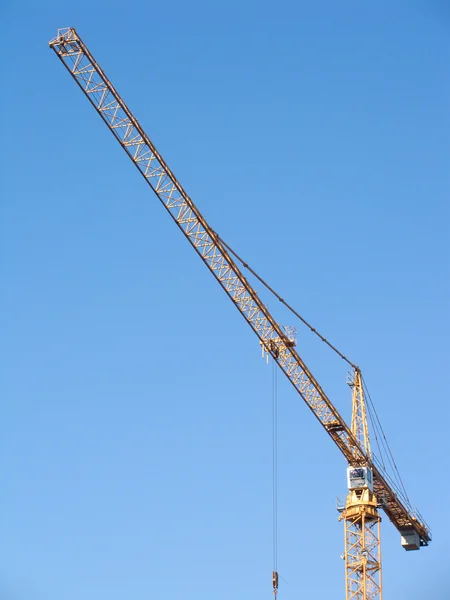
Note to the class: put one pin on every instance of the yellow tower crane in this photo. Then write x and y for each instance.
(370, 487)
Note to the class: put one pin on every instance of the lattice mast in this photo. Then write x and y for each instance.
(81, 65)
(360, 427)
(362, 552)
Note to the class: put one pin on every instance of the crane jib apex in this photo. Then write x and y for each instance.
(89, 76)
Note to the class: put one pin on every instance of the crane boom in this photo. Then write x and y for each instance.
(82, 66)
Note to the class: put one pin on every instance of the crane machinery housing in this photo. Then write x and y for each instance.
(370, 486)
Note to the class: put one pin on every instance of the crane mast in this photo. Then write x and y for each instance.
(360, 515)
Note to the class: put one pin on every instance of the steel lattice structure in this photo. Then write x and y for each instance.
(80, 63)
(362, 548)
(359, 414)
(361, 517)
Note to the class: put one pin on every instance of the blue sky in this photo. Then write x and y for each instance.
(136, 423)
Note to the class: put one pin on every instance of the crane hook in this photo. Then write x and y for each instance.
(275, 583)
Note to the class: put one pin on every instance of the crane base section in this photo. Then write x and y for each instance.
(362, 546)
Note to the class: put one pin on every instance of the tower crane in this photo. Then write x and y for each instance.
(370, 487)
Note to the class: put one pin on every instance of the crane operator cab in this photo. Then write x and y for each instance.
(360, 478)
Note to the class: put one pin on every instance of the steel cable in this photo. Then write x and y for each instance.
(288, 306)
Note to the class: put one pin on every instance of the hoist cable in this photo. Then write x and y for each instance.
(338, 352)
(275, 464)
(288, 306)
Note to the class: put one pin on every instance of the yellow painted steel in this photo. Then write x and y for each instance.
(360, 515)
(361, 518)
(91, 79)
(362, 546)
(360, 427)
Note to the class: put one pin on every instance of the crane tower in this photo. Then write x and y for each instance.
(360, 514)
(370, 487)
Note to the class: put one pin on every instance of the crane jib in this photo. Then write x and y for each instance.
(82, 66)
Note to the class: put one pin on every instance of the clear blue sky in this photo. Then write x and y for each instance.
(135, 429)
